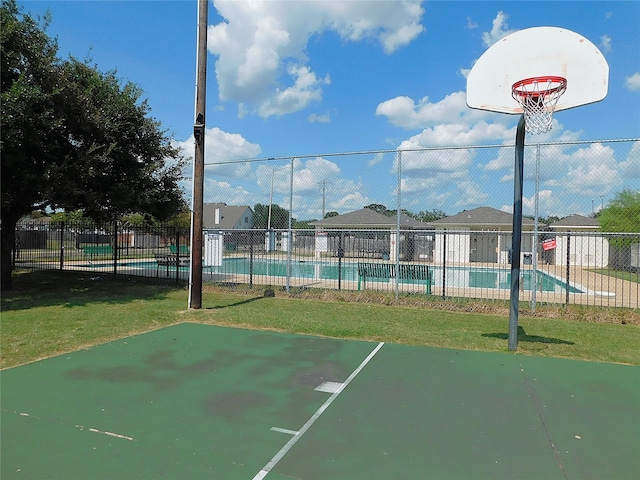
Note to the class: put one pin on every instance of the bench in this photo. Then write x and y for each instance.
(164, 260)
(388, 270)
(363, 253)
(95, 250)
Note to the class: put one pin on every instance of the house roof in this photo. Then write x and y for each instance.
(576, 221)
(481, 217)
(367, 218)
(229, 215)
(409, 222)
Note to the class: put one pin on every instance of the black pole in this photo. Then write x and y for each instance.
(517, 236)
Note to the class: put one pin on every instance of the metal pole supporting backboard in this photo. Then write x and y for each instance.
(517, 236)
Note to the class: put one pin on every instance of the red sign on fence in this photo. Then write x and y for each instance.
(549, 244)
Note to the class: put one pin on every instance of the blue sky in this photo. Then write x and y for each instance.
(298, 78)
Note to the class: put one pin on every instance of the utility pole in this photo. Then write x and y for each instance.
(195, 270)
(324, 190)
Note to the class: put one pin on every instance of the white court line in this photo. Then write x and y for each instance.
(328, 387)
(284, 430)
(81, 427)
(283, 451)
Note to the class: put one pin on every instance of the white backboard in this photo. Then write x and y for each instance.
(535, 52)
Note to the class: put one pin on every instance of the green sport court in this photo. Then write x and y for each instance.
(196, 401)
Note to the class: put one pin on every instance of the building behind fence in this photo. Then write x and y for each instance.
(463, 255)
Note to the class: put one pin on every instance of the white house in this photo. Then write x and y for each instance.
(480, 235)
(412, 244)
(580, 236)
(225, 217)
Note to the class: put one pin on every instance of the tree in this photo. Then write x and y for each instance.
(279, 216)
(74, 138)
(377, 207)
(304, 224)
(331, 214)
(430, 215)
(622, 214)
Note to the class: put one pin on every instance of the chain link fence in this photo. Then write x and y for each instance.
(438, 222)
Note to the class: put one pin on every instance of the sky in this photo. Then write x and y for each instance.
(309, 79)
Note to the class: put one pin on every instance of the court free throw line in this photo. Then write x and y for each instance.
(283, 451)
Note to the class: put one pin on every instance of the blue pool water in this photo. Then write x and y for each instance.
(456, 277)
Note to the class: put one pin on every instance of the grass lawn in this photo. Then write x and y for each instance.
(49, 313)
(629, 276)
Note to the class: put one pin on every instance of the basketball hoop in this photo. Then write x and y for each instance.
(538, 97)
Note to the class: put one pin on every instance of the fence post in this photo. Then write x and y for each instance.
(178, 259)
(568, 265)
(251, 259)
(534, 248)
(62, 245)
(398, 205)
(340, 255)
(115, 248)
(444, 263)
(290, 232)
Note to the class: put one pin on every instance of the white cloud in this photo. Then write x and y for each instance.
(591, 171)
(349, 202)
(448, 122)
(443, 190)
(632, 83)
(221, 147)
(426, 163)
(258, 38)
(376, 159)
(317, 118)
(308, 175)
(499, 29)
(605, 43)
(630, 167)
(404, 112)
(545, 203)
(463, 134)
(224, 192)
(306, 89)
(505, 156)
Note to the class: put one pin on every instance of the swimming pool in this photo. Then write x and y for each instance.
(455, 277)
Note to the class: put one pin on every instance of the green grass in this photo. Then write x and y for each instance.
(621, 274)
(49, 313)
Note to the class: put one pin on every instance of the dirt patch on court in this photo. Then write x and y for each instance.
(234, 406)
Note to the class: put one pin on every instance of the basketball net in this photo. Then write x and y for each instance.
(538, 97)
